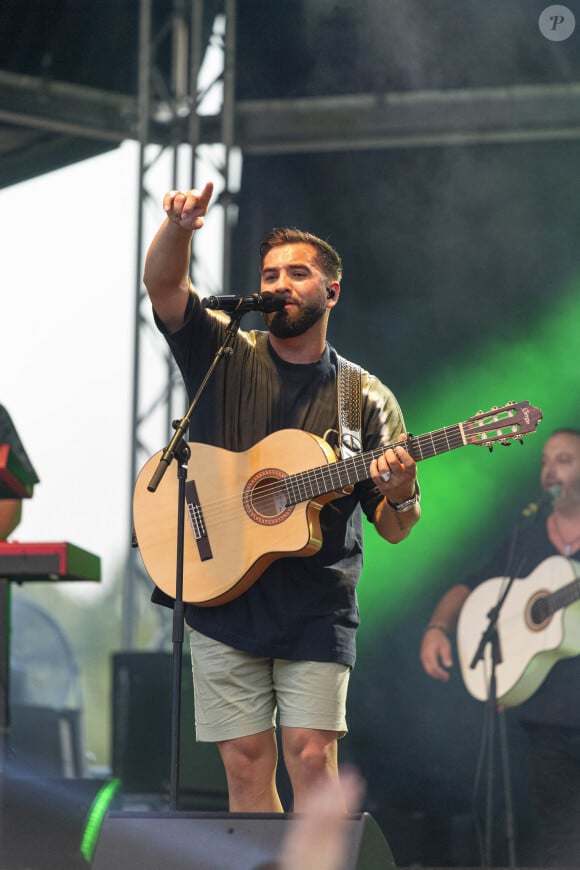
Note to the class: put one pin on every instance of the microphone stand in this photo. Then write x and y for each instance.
(178, 449)
(490, 636)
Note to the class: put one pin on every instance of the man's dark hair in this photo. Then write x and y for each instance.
(327, 258)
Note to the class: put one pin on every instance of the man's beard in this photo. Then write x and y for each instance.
(568, 500)
(293, 322)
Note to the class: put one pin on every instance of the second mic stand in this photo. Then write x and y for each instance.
(490, 636)
(178, 449)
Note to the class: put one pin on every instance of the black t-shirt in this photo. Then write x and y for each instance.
(557, 700)
(299, 608)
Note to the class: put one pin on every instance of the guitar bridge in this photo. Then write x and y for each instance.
(195, 515)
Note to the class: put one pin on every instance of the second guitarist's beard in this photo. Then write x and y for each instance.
(568, 500)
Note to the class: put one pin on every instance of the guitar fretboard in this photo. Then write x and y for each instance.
(337, 475)
(563, 597)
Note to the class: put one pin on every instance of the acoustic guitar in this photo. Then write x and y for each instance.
(539, 624)
(245, 510)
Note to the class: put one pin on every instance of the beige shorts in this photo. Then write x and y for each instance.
(237, 694)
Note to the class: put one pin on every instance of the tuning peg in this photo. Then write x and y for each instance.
(506, 443)
(490, 448)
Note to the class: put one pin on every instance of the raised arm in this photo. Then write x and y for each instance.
(166, 274)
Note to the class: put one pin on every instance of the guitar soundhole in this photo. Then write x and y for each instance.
(538, 613)
(266, 498)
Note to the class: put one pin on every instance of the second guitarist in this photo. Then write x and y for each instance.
(551, 716)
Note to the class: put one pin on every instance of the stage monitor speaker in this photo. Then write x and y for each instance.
(43, 821)
(222, 841)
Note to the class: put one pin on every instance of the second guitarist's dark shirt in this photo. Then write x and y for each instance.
(557, 701)
(300, 608)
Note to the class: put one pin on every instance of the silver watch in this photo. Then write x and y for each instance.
(406, 505)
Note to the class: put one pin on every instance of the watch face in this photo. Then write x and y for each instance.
(404, 505)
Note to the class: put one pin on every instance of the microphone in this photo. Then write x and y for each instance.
(546, 498)
(266, 302)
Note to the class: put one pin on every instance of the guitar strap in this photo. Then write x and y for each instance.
(349, 407)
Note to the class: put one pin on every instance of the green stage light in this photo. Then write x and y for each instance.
(95, 817)
(469, 498)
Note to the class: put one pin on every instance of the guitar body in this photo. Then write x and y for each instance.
(246, 526)
(529, 645)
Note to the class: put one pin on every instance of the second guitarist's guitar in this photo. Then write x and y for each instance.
(539, 624)
(245, 510)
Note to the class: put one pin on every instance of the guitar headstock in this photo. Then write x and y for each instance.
(513, 420)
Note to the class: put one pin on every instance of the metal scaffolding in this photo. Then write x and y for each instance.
(170, 102)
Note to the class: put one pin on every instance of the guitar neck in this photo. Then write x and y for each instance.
(568, 594)
(337, 475)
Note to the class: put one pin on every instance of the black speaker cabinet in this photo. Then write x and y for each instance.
(44, 742)
(142, 709)
(222, 841)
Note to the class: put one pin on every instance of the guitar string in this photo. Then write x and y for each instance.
(562, 597)
(426, 446)
(301, 483)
